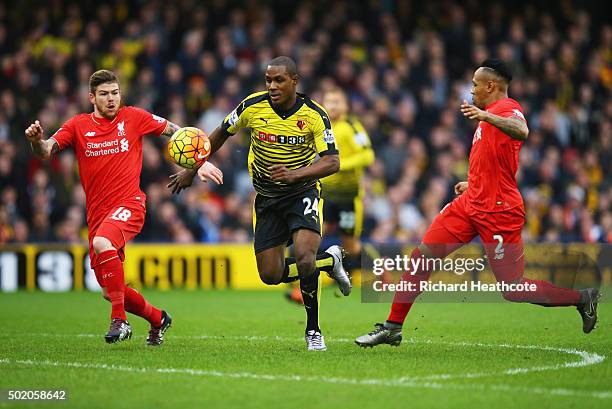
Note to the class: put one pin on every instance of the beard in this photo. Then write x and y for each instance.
(105, 112)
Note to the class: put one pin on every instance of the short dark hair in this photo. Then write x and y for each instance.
(499, 67)
(101, 77)
(284, 61)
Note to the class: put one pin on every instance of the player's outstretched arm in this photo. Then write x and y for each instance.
(44, 149)
(171, 128)
(184, 179)
(325, 166)
(513, 127)
(217, 139)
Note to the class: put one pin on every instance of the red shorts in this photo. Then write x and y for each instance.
(119, 226)
(458, 223)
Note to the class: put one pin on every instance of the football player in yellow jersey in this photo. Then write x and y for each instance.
(288, 132)
(342, 191)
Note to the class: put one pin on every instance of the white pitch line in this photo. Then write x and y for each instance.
(309, 378)
(586, 358)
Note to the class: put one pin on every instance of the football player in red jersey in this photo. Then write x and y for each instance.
(108, 147)
(488, 205)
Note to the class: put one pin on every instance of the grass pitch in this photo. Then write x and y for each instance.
(245, 350)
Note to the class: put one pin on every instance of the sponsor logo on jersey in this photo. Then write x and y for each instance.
(90, 133)
(121, 128)
(284, 139)
(328, 136)
(94, 149)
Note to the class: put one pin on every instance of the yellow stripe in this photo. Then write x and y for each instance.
(318, 185)
(326, 262)
(254, 217)
(358, 206)
(293, 271)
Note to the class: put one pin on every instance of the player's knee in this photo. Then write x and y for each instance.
(270, 277)
(101, 244)
(306, 265)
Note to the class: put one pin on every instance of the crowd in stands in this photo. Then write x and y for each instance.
(406, 66)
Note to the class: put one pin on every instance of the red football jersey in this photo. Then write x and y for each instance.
(494, 162)
(109, 154)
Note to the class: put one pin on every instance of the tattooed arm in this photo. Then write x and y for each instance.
(171, 128)
(513, 127)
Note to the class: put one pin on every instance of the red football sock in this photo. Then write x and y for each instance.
(546, 294)
(136, 304)
(403, 300)
(110, 269)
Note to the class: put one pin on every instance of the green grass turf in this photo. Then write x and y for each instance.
(210, 335)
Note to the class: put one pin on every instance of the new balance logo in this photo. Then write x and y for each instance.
(91, 133)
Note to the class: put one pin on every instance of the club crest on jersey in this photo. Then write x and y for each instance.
(121, 128)
(301, 123)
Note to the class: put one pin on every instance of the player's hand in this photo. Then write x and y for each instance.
(460, 188)
(181, 180)
(34, 133)
(473, 112)
(280, 173)
(209, 171)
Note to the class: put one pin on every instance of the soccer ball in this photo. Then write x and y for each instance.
(189, 147)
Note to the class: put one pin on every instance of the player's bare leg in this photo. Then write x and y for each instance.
(271, 265)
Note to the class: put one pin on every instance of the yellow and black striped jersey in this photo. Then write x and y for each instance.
(292, 138)
(355, 155)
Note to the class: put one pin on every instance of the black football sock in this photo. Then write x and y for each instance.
(291, 273)
(310, 293)
(325, 262)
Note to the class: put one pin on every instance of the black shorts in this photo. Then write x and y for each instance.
(346, 215)
(276, 218)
